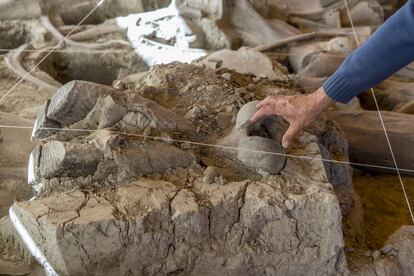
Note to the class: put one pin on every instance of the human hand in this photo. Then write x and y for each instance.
(299, 111)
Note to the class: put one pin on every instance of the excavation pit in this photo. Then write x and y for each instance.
(99, 66)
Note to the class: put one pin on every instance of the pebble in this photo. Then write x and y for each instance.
(226, 76)
(290, 204)
(387, 248)
(256, 79)
(210, 174)
(368, 253)
(251, 87)
(118, 85)
(194, 113)
(376, 255)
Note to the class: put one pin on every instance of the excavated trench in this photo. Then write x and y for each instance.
(103, 67)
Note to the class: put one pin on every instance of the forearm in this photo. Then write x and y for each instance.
(388, 50)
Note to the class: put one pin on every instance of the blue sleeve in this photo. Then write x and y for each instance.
(388, 50)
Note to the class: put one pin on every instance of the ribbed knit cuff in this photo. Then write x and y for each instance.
(338, 89)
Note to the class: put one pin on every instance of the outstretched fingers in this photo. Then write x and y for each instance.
(271, 105)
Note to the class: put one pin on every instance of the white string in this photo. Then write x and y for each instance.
(53, 49)
(344, 54)
(221, 146)
(211, 145)
(75, 50)
(382, 121)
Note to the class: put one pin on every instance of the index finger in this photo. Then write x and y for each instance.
(274, 100)
(263, 111)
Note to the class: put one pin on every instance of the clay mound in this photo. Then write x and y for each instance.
(115, 201)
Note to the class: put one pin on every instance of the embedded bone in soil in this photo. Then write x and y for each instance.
(407, 108)
(258, 142)
(58, 159)
(78, 95)
(67, 159)
(67, 41)
(87, 105)
(319, 59)
(392, 95)
(258, 30)
(107, 27)
(363, 127)
(270, 126)
(245, 62)
(407, 72)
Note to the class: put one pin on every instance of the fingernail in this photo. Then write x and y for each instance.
(285, 144)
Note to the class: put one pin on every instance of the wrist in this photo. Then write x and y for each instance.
(320, 100)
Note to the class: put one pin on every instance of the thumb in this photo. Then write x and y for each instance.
(290, 135)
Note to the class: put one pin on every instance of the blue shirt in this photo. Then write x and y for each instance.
(388, 50)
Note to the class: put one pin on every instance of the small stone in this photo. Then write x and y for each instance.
(376, 255)
(387, 248)
(118, 85)
(194, 113)
(368, 253)
(251, 87)
(226, 76)
(290, 204)
(256, 79)
(210, 174)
